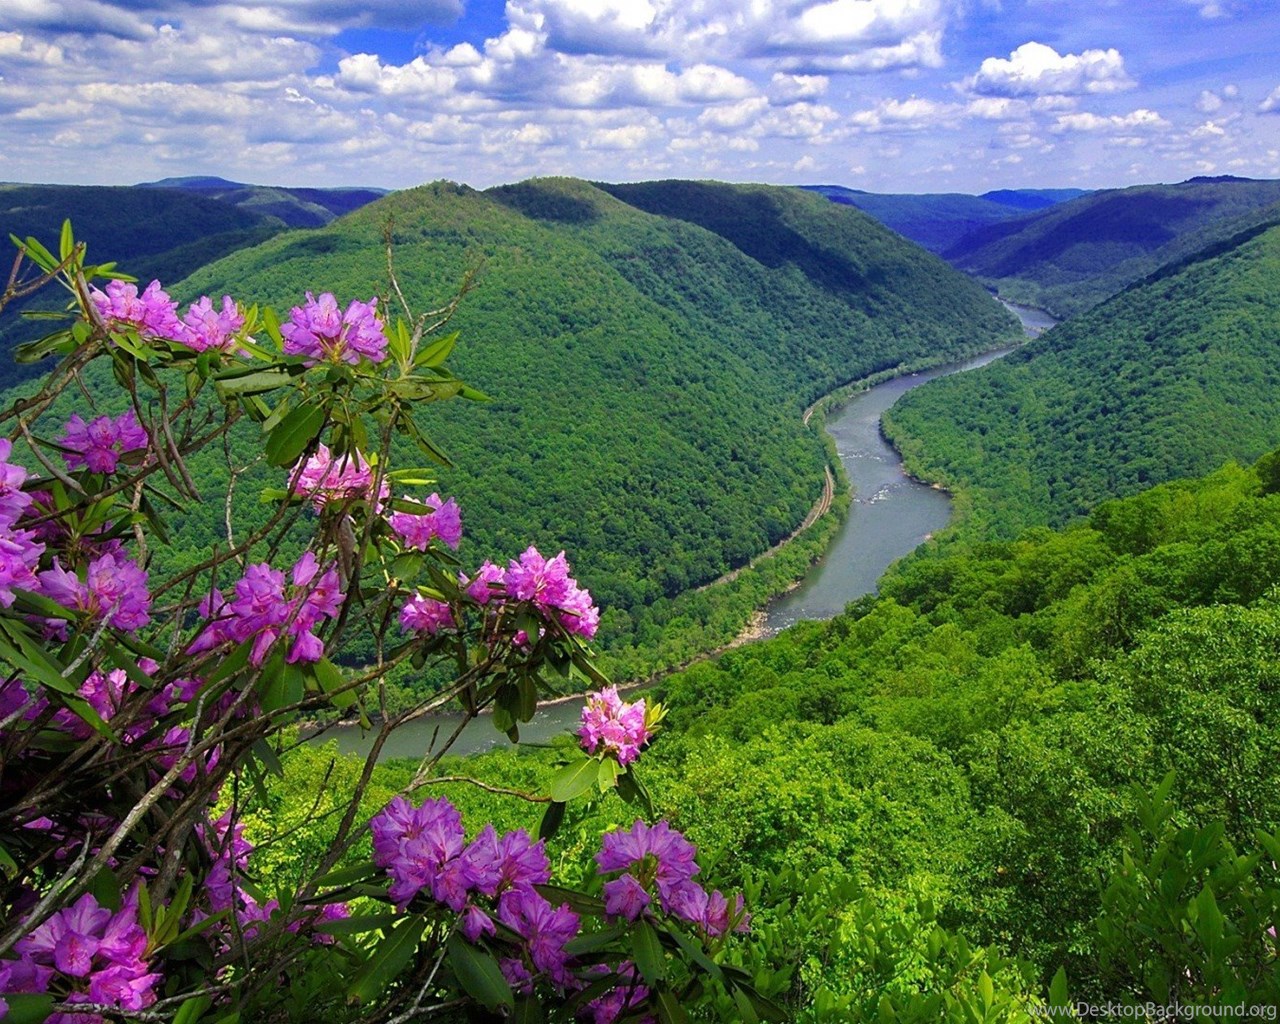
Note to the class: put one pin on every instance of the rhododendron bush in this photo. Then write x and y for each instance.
(138, 715)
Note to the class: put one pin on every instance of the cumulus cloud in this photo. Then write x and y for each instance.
(1034, 69)
(913, 114)
(1137, 120)
(1271, 105)
(849, 35)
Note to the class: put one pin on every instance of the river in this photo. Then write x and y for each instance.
(891, 514)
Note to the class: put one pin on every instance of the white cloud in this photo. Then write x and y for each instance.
(1208, 102)
(789, 88)
(1271, 105)
(1034, 69)
(1140, 120)
(912, 114)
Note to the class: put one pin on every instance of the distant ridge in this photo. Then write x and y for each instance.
(294, 207)
(1071, 256)
(938, 221)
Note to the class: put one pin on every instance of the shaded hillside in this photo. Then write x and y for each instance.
(1070, 257)
(939, 221)
(648, 374)
(149, 232)
(1168, 379)
(293, 207)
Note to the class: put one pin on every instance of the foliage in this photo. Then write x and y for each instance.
(1169, 379)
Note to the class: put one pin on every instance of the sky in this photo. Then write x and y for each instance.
(882, 95)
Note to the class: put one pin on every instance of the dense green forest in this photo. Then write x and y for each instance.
(648, 374)
(939, 221)
(1068, 258)
(1168, 379)
(949, 793)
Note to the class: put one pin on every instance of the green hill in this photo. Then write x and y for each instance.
(293, 207)
(939, 221)
(1069, 257)
(1169, 378)
(648, 374)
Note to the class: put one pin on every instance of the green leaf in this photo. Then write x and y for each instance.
(437, 352)
(1059, 996)
(479, 975)
(747, 1012)
(647, 952)
(250, 383)
(574, 779)
(607, 777)
(528, 1011)
(28, 1009)
(291, 437)
(669, 1009)
(348, 875)
(552, 819)
(358, 925)
(390, 957)
(192, 1010)
(68, 241)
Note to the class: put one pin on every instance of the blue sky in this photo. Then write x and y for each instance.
(885, 95)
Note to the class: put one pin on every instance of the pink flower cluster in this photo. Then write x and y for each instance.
(417, 530)
(20, 551)
(661, 859)
(263, 609)
(426, 614)
(545, 583)
(205, 328)
(154, 315)
(95, 954)
(99, 444)
(114, 588)
(424, 850)
(319, 331)
(611, 726)
(323, 479)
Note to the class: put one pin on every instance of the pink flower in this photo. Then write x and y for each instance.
(13, 499)
(545, 929)
(317, 330)
(152, 314)
(443, 521)
(489, 582)
(426, 614)
(555, 594)
(613, 727)
(207, 328)
(322, 479)
(19, 555)
(114, 588)
(261, 610)
(98, 445)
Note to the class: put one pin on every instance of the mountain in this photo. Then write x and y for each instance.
(149, 232)
(1070, 256)
(1170, 378)
(648, 373)
(939, 221)
(294, 207)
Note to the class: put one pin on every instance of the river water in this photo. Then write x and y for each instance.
(891, 514)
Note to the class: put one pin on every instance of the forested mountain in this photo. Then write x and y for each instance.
(938, 221)
(293, 207)
(152, 232)
(1167, 379)
(648, 374)
(1069, 257)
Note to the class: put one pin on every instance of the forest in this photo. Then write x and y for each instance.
(1170, 378)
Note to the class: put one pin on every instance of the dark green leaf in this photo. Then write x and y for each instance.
(552, 819)
(28, 1009)
(647, 952)
(437, 352)
(478, 974)
(574, 779)
(388, 959)
(297, 430)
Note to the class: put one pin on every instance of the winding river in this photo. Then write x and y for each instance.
(891, 514)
